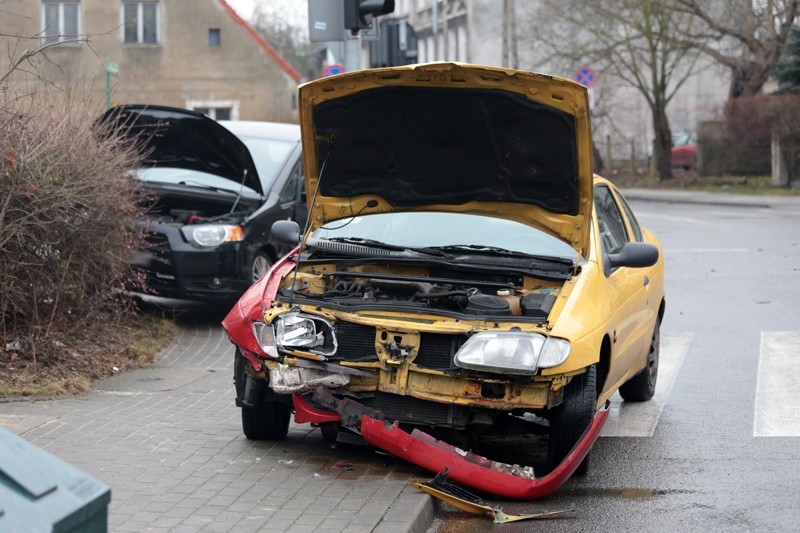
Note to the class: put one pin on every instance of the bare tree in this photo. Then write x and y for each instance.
(747, 36)
(633, 40)
(289, 39)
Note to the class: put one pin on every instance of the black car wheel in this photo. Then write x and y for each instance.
(260, 265)
(270, 421)
(569, 420)
(642, 386)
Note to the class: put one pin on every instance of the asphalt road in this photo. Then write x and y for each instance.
(719, 448)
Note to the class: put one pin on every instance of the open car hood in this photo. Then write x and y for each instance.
(450, 137)
(172, 137)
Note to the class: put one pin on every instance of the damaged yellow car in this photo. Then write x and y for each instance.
(463, 273)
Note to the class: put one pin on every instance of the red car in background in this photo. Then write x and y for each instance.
(684, 151)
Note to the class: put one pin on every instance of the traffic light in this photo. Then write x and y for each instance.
(358, 13)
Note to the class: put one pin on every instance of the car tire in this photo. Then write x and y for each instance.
(642, 386)
(260, 265)
(569, 420)
(270, 421)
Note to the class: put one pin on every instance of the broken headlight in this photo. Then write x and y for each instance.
(265, 336)
(511, 352)
(305, 332)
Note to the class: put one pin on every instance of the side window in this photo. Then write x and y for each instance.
(637, 230)
(291, 191)
(609, 219)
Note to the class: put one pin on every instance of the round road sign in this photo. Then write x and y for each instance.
(331, 70)
(585, 76)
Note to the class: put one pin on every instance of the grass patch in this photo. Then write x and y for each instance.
(70, 363)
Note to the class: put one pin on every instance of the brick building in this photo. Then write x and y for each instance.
(197, 54)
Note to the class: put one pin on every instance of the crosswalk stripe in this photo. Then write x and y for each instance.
(777, 403)
(629, 419)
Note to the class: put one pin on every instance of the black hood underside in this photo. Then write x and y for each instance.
(422, 146)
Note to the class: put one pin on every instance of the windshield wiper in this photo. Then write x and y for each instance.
(367, 242)
(204, 186)
(479, 248)
(372, 243)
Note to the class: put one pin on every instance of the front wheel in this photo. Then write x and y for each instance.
(642, 386)
(569, 420)
(260, 265)
(270, 421)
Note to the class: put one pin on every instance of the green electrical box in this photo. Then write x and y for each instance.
(39, 492)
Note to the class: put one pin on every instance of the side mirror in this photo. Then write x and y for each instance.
(285, 232)
(634, 255)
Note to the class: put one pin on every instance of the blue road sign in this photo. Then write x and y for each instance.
(585, 76)
(331, 70)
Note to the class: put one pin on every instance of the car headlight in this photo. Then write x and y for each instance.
(308, 332)
(265, 336)
(207, 235)
(511, 352)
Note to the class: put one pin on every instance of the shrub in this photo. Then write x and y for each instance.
(67, 203)
(750, 123)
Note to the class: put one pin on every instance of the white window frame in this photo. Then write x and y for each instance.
(140, 23)
(212, 105)
(59, 37)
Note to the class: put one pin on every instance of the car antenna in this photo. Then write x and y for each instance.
(305, 229)
(241, 190)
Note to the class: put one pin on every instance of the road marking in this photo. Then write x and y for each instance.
(639, 419)
(641, 215)
(705, 250)
(777, 404)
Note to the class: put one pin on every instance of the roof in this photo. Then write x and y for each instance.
(289, 69)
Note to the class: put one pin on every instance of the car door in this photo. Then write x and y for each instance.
(627, 290)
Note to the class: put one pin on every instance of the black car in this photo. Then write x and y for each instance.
(215, 192)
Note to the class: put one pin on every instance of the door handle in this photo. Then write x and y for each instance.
(646, 280)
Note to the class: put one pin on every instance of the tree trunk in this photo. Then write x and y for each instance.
(748, 80)
(662, 144)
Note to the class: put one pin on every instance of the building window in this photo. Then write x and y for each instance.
(140, 22)
(216, 109)
(60, 21)
(214, 37)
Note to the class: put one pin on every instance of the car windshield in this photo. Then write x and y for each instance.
(436, 230)
(192, 178)
(269, 155)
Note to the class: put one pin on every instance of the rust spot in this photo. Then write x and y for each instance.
(472, 389)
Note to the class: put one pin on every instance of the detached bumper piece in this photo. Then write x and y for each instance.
(440, 487)
(473, 470)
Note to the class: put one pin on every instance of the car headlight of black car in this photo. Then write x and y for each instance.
(511, 352)
(209, 235)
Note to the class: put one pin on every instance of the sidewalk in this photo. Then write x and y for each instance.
(168, 441)
(712, 198)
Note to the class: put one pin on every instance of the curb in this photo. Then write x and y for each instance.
(709, 198)
(412, 512)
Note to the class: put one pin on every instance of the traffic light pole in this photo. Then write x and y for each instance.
(352, 51)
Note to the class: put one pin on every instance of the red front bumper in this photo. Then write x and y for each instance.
(473, 470)
(467, 468)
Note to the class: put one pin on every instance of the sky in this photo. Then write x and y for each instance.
(293, 10)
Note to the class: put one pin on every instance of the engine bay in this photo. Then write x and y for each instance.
(423, 290)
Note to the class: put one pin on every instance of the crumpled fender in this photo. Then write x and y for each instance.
(473, 470)
(251, 306)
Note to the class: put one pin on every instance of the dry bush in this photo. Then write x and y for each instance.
(750, 123)
(67, 203)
